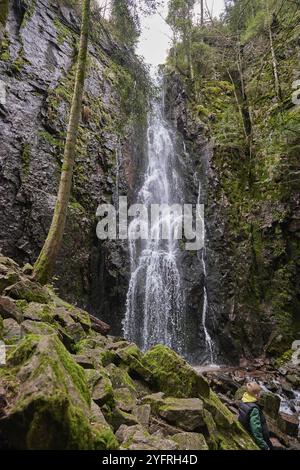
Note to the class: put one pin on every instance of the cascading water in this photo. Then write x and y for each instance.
(155, 307)
(208, 341)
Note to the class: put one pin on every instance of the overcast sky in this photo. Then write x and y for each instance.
(155, 39)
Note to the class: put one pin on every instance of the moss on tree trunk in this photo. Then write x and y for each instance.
(45, 263)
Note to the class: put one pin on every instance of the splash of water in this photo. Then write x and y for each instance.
(155, 306)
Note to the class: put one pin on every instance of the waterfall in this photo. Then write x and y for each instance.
(155, 306)
(208, 341)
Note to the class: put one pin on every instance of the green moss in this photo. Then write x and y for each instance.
(285, 357)
(172, 375)
(3, 12)
(23, 351)
(25, 155)
(63, 33)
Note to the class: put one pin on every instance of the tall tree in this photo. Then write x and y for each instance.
(44, 266)
(180, 13)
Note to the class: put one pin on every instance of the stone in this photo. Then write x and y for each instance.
(11, 331)
(125, 399)
(173, 375)
(8, 274)
(142, 413)
(186, 413)
(138, 438)
(296, 344)
(38, 312)
(83, 361)
(118, 417)
(293, 379)
(270, 403)
(190, 441)
(37, 328)
(8, 309)
(119, 377)
(51, 407)
(102, 392)
(28, 290)
(75, 331)
(289, 424)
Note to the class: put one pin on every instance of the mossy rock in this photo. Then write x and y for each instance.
(52, 406)
(37, 328)
(11, 331)
(119, 377)
(173, 375)
(9, 309)
(28, 290)
(190, 441)
(38, 312)
(185, 413)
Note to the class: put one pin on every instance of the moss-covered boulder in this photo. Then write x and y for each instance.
(28, 290)
(173, 375)
(190, 441)
(138, 438)
(186, 413)
(51, 405)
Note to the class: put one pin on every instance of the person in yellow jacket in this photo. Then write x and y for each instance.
(252, 418)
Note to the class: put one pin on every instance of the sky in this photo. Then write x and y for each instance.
(156, 35)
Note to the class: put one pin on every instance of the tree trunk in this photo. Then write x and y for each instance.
(201, 13)
(44, 266)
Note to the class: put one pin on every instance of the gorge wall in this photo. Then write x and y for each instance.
(37, 65)
(251, 190)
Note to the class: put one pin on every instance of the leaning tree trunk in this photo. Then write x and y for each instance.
(44, 266)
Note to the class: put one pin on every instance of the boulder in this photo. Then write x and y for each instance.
(142, 413)
(8, 309)
(138, 438)
(38, 312)
(173, 375)
(37, 328)
(289, 424)
(28, 290)
(190, 441)
(51, 403)
(11, 331)
(125, 399)
(186, 413)
(270, 403)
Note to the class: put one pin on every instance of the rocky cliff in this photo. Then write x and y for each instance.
(37, 60)
(250, 184)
